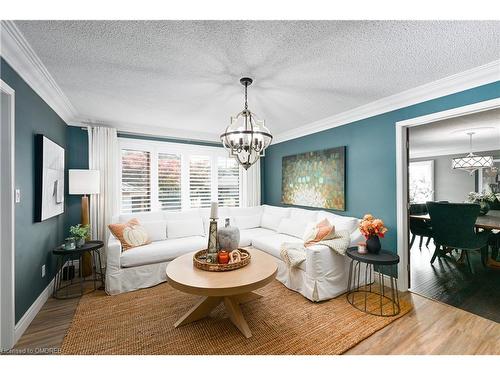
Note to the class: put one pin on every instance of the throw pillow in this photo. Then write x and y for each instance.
(130, 234)
(323, 230)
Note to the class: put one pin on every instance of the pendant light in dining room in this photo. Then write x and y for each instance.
(472, 162)
(246, 137)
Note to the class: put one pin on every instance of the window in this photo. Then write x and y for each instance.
(421, 176)
(200, 185)
(136, 181)
(163, 176)
(228, 174)
(169, 182)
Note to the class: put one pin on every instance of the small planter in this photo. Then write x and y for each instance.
(373, 244)
(80, 241)
(484, 208)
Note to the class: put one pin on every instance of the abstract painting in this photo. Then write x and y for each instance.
(315, 179)
(49, 171)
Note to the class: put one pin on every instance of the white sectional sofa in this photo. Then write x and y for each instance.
(322, 276)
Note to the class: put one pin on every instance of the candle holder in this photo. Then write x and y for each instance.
(213, 243)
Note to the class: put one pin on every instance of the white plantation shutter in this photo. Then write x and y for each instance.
(136, 181)
(228, 182)
(169, 182)
(200, 181)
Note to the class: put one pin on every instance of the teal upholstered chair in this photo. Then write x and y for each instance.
(453, 227)
(418, 227)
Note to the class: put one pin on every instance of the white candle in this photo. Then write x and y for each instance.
(213, 210)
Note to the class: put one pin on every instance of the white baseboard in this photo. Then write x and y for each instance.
(29, 315)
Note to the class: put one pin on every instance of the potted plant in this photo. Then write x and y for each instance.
(372, 229)
(80, 233)
(483, 199)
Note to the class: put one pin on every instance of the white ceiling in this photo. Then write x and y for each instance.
(450, 136)
(178, 76)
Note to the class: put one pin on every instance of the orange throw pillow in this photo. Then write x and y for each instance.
(131, 234)
(321, 231)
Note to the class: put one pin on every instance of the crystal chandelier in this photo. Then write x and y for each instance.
(472, 162)
(246, 137)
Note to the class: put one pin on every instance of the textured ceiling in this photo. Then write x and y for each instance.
(184, 75)
(450, 136)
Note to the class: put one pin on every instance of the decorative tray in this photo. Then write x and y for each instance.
(199, 261)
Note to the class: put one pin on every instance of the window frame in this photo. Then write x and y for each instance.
(185, 151)
(428, 164)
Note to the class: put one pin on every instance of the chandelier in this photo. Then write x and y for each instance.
(246, 137)
(472, 162)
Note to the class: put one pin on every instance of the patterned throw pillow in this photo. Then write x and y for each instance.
(321, 231)
(131, 234)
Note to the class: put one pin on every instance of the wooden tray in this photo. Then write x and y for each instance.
(216, 267)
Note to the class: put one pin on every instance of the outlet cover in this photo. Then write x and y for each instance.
(43, 270)
(18, 195)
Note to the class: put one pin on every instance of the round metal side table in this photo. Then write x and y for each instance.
(362, 292)
(67, 257)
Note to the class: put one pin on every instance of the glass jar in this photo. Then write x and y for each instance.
(69, 243)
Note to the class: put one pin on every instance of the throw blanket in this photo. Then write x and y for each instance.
(293, 254)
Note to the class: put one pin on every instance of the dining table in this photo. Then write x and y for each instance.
(490, 221)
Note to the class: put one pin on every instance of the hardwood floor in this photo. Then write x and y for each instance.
(431, 328)
(452, 283)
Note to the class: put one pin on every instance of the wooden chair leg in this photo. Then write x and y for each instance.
(427, 243)
(468, 261)
(436, 252)
(420, 243)
(412, 240)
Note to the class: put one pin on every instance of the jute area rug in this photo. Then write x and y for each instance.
(283, 322)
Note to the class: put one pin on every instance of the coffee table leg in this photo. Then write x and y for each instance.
(199, 311)
(236, 316)
(247, 297)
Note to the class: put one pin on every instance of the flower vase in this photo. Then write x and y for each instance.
(484, 207)
(373, 244)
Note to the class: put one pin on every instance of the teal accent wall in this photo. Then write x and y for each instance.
(33, 241)
(78, 158)
(370, 156)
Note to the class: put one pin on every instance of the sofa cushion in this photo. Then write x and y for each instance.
(293, 227)
(185, 228)
(271, 244)
(246, 222)
(303, 215)
(245, 211)
(161, 251)
(157, 230)
(248, 235)
(181, 215)
(340, 222)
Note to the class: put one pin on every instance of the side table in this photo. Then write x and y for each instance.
(360, 294)
(63, 256)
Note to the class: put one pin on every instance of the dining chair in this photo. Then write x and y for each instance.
(453, 228)
(418, 227)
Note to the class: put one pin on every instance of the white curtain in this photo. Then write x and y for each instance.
(104, 156)
(250, 183)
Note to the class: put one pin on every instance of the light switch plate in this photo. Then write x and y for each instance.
(43, 270)
(18, 195)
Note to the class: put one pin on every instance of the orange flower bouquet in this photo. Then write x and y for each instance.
(373, 229)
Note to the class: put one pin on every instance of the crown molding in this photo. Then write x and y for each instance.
(149, 130)
(16, 50)
(468, 79)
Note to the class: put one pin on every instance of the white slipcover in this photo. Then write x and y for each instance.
(322, 276)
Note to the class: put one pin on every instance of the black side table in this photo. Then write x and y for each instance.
(69, 256)
(359, 291)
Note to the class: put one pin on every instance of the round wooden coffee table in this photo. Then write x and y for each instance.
(231, 287)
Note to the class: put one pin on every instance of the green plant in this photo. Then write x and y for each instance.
(79, 230)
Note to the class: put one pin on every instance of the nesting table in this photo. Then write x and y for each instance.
(361, 290)
(62, 289)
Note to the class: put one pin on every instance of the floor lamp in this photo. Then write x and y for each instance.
(84, 182)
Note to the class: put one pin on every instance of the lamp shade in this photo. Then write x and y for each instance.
(84, 181)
